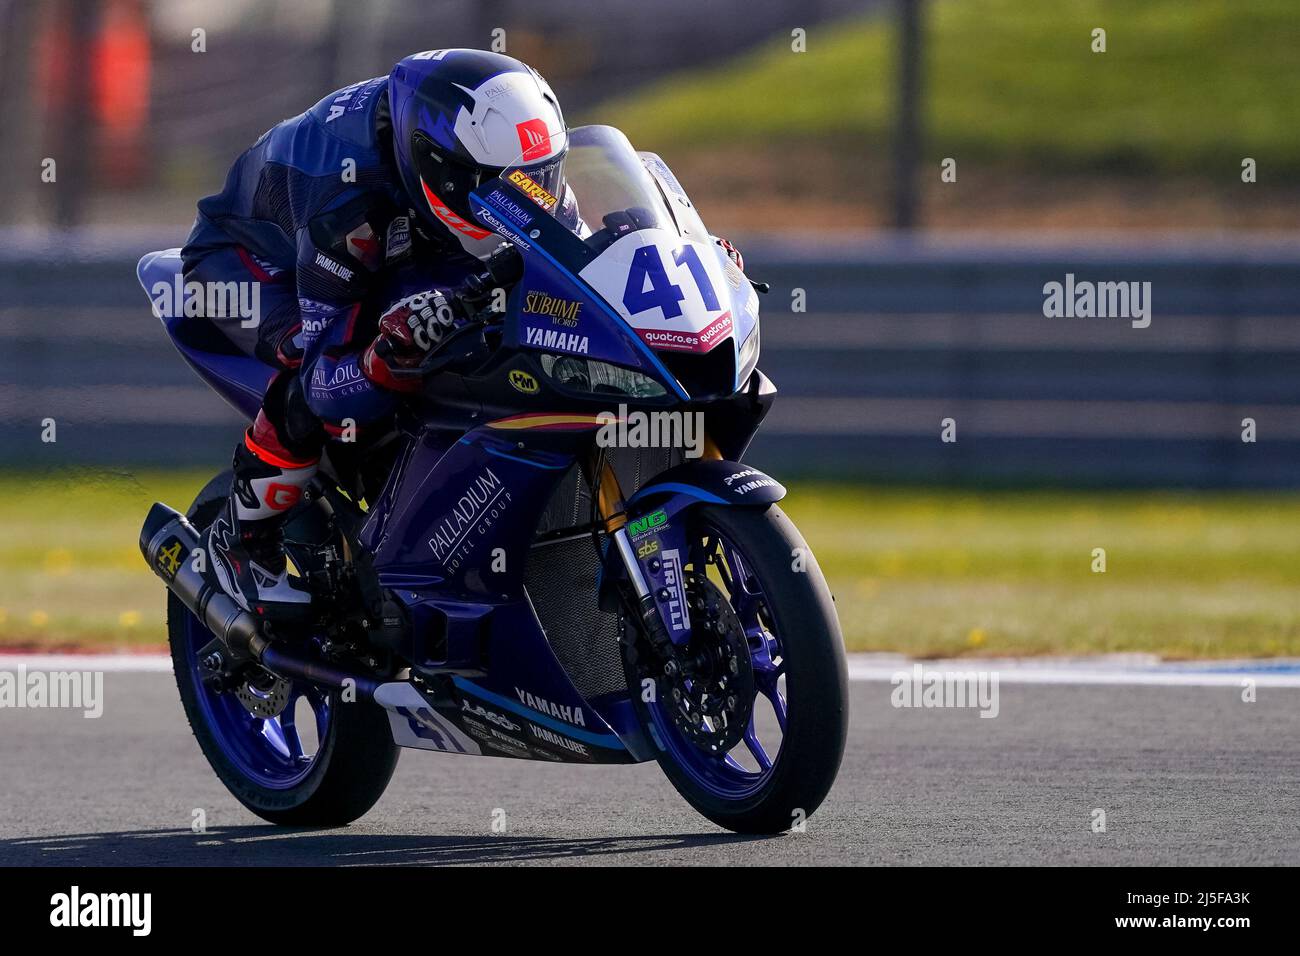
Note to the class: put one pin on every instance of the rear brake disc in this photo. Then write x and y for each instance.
(264, 695)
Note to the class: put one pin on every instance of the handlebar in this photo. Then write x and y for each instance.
(502, 269)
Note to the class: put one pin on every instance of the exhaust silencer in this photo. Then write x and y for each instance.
(168, 542)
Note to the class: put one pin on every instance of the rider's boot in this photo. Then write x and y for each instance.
(245, 545)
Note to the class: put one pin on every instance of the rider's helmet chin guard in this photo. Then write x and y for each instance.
(460, 117)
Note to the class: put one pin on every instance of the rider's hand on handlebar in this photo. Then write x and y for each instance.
(739, 261)
(409, 331)
(501, 270)
(732, 252)
(416, 325)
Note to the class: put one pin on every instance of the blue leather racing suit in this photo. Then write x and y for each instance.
(315, 214)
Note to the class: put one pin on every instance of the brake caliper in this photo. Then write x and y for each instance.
(710, 685)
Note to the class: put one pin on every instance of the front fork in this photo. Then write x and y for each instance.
(612, 509)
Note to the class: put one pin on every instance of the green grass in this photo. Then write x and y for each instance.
(924, 572)
(1185, 86)
(941, 573)
(70, 566)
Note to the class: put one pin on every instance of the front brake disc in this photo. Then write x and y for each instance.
(711, 698)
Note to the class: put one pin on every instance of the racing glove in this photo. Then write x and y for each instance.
(411, 330)
(732, 252)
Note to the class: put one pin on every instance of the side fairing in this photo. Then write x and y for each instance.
(554, 315)
(451, 505)
(450, 539)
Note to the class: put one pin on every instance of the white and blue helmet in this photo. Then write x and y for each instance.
(459, 118)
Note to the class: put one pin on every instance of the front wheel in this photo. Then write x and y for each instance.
(752, 732)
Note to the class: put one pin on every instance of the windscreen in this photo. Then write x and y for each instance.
(600, 190)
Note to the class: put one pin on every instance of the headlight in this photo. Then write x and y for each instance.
(748, 356)
(588, 375)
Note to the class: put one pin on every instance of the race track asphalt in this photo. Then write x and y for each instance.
(1185, 775)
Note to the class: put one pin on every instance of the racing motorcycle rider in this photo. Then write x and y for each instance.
(360, 200)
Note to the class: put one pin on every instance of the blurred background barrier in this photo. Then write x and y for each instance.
(999, 146)
(896, 338)
(908, 174)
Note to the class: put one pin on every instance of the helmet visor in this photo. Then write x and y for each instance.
(541, 179)
(445, 180)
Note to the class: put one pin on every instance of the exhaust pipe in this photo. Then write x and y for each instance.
(167, 541)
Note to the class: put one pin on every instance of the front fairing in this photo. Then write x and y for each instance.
(738, 292)
(618, 271)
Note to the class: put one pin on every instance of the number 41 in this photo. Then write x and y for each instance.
(663, 292)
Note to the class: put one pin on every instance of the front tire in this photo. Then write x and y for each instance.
(265, 767)
(797, 658)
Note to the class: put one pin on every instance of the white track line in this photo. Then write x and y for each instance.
(1119, 670)
(1130, 670)
(109, 663)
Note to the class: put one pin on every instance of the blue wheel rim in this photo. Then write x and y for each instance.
(266, 751)
(726, 777)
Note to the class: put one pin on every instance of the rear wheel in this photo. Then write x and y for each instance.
(290, 752)
(753, 737)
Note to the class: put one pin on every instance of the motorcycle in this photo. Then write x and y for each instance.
(506, 577)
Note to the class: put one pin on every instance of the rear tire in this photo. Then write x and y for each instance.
(354, 760)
